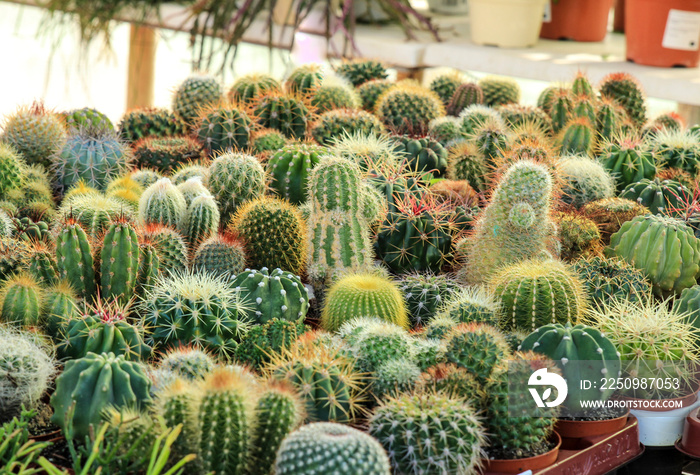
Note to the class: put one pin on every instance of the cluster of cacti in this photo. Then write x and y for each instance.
(332, 125)
(263, 341)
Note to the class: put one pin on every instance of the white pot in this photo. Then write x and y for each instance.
(662, 428)
(506, 23)
(449, 7)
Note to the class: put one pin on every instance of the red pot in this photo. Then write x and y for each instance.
(520, 465)
(689, 444)
(619, 19)
(578, 20)
(581, 429)
(662, 32)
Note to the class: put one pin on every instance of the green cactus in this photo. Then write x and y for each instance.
(276, 294)
(372, 342)
(610, 213)
(186, 171)
(259, 345)
(537, 292)
(451, 379)
(476, 114)
(36, 133)
(664, 249)
(42, 263)
(425, 294)
(334, 95)
(659, 197)
(584, 108)
(11, 168)
(193, 94)
(92, 384)
(577, 137)
(125, 189)
(445, 86)
(267, 141)
(360, 71)
(87, 117)
(149, 122)
(625, 90)
(363, 295)
(164, 153)
(21, 300)
(222, 127)
(610, 118)
(367, 151)
(423, 154)
(499, 91)
(201, 220)
(515, 225)
(14, 255)
(476, 347)
(326, 447)
(95, 212)
(465, 95)
(677, 149)
(194, 308)
(445, 130)
(246, 89)
(288, 114)
(490, 138)
(546, 97)
(448, 439)
(8, 225)
(192, 188)
(305, 79)
(584, 180)
(561, 109)
(175, 404)
(220, 254)
(408, 108)
(162, 203)
(688, 303)
(464, 162)
(578, 236)
(371, 91)
(518, 116)
(332, 125)
(470, 304)
(59, 306)
(289, 170)
(605, 279)
(119, 262)
(233, 179)
(170, 247)
(145, 177)
(74, 259)
(188, 363)
(395, 377)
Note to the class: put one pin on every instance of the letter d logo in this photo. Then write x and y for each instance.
(542, 378)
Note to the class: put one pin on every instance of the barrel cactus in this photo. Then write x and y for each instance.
(659, 197)
(220, 254)
(625, 90)
(233, 179)
(194, 93)
(248, 87)
(606, 278)
(584, 180)
(288, 114)
(162, 203)
(289, 170)
(371, 91)
(408, 107)
(425, 294)
(334, 95)
(677, 149)
(276, 294)
(628, 160)
(360, 71)
(305, 79)
(149, 122)
(35, 132)
(499, 90)
(87, 117)
(165, 153)
(223, 127)
(464, 96)
(201, 220)
(423, 154)
(21, 300)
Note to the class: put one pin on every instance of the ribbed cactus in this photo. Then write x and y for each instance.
(305, 79)
(429, 433)
(664, 249)
(334, 95)
(259, 345)
(464, 162)
(164, 153)
(35, 132)
(516, 224)
(491, 139)
(21, 300)
(95, 212)
(288, 114)
(610, 213)
(149, 122)
(476, 347)
(360, 71)
(220, 254)
(59, 306)
(471, 304)
(373, 342)
(267, 141)
(333, 125)
(91, 384)
(425, 294)
(368, 151)
(364, 295)
(394, 377)
(193, 94)
(247, 88)
(445, 86)
(422, 154)
(577, 137)
(187, 362)
(170, 247)
(408, 107)
(688, 303)
(610, 118)
(605, 278)
(201, 220)
(162, 203)
(371, 91)
(326, 447)
(289, 170)
(276, 294)
(145, 177)
(584, 180)
(87, 117)
(175, 404)
(192, 188)
(537, 292)
(477, 114)
(222, 127)
(233, 179)
(578, 236)
(464, 96)
(659, 197)
(119, 262)
(74, 259)
(499, 90)
(677, 149)
(625, 90)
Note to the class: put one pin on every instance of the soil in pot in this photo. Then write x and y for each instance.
(578, 21)
(598, 422)
(508, 461)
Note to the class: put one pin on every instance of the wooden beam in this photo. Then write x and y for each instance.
(142, 65)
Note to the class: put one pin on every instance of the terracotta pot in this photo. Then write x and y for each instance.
(520, 465)
(619, 18)
(689, 443)
(580, 429)
(661, 32)
(578, 20)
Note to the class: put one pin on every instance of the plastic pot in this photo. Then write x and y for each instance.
(506, 23)
(663, 428)
(619, 18)
(664, 33)
(689, 443)
(530, 463)
(577, 20)
(580, 429)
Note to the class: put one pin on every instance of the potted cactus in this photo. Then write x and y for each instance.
(506, 23)
(577, 20)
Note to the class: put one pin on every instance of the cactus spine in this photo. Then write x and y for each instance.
(74, 259)
(119, 260)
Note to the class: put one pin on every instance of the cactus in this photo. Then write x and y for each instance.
(593, 356)
(267, 141)
(26, 369)
(536, 292)
(424, 294)
(445, 86)
(408, 108)
(490, 138)
(201, 220)
(35, 133)
(451, 379)
(363, 295)
(149, 264)
(162, 203)
(125, 189)
(233, 179)
(96, 157)
(423, 154)
(170, 247)
(20, 300)
(220, 254)
(189, 363)
(326, 447)
(577, 137)
(499, 91)
(164, 153)
(95, 212)
(471, 304)
(449, 439)
(87, 118)
(74, 259)
(145, 177)
(193, 94)
(288, 114)
(186, 171)
(366, 150)
(465, 163)
(548, 94)
(659, 197)
(149, 122)
(246, 89)
(332, 125)
(517, 428)
(610, 213)
(476, 114)
(372, 342)
(175, 404)
(664, 248)
(561, 109)
(102, 328)
(91, 384)
(476, 347)
(427, 352)
(11, 168)
(371, 91)
(277, 294)
(334, 95)
(42, 263)
(119, 262)
(625, 90)
(289, 170)
(689, 305)
(464, 96)
(584, 180)
(274, 233)
(515, 225)
(394, 377)
(578, 236)
(14, 255)
(605, 279)
(193, 188)
(610, 118)
(263, 341)
(361, 71)
(305, 79)
(194, 308)
(517, 116)
(445, 130)
(220, 127)
(677, 149)
(59, 306)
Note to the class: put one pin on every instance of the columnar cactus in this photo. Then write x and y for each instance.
(326, 447)
(91, 384)
(425, 294)
(247, 88)
(276, 294)
(95, 212)
(288, 114)
(490, 138)
(223, 127)
(233, 179)
(220, 254)
(201, 220)
(59, 306)
(74, 259)
(21, 300)
(119, 262)
(193, 94)
(149, 122)
(175, 403)
(36, 133)
(577, 137)
(289, 170)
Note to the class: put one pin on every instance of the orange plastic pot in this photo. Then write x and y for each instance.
(662, 32)
(578, 20)
(619, 19)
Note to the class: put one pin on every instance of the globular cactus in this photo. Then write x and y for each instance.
(267, 141)
(193, 94)
(360, 71)
(667, 121)
(95, 212)
(36, 133)
(515, 225)
(246, 89)
(87, 117)
(95, 157)
(170, 247)
(451, 379)
(20, 301)
(445, 130)
(688, 304)
(491, 139)
(289, 170)
(372, 342)
(14, 255)
(659, 197)
(476, 347)
(450, 437)
(464, 96)
(201, 220)
(274, 233)
(194, 308)
(91, 384)
(395, 377)
(233, 179)
(58, 307)
(102, 328)
(222, 127)
(665, 249)
(477, 114)
(326, 447)
(288, 114)
(220, 254)
(7, 224)
(625, 90)
(577, 137)
(499, 91)
(162, 203)
(305, 79)
(408, 108)
(332, 125)
(145, 177)
(608, 278)
(611, 213)
(334, 95)
(186, 171)
(591, 354)
(258, 346)
(363, 295)
(537, 292)
(164, 153)
(471, 305)
(11, 168)
(276, 294)
(584, 180)
(427, 352)
(192, 188)
(189, 363)
(119, 262)
(425, 294)
(371, 91)
(445, 86)
(149, 122)
(464, 162)
(75, 260)
(26, 369)
(422, 154)
(578, 236)
(367, 151)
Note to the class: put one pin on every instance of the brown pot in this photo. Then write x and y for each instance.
(581, 429)
(689, 443)
(520, 465)
(578, 20)
(619, 18)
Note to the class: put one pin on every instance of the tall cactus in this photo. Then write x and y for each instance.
(74, 259)
(119, 259)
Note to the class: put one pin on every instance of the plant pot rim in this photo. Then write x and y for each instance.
(679, 447)
(566, 428)
(515, 465)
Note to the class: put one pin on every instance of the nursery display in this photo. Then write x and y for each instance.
(307, 275)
